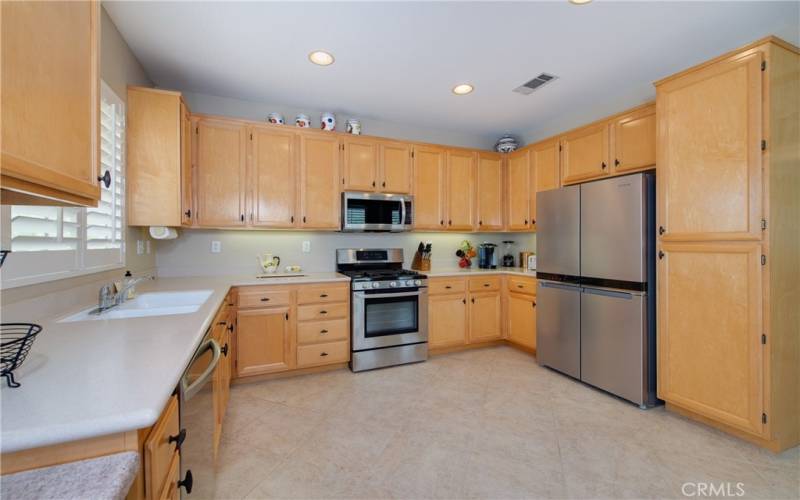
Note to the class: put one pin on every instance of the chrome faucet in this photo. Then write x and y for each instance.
(109, 296)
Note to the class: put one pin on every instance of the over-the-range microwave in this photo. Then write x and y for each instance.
(376, 211)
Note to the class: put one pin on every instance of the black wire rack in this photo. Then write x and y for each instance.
(3, 254)
(16, 340)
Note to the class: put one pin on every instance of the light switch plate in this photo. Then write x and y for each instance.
(216, 246)
(139, 247)
(306, 247)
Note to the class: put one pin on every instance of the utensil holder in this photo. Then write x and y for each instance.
(420, 264)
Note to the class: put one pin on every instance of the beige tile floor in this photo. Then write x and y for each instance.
(486, 423)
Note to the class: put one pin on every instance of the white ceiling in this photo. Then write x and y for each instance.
(398, 61)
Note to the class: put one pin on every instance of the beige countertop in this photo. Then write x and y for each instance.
(90, 378)
(475, 271)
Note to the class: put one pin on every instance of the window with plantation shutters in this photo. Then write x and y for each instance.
(49, 243)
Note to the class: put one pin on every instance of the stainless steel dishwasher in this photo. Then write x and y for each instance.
(197, 419)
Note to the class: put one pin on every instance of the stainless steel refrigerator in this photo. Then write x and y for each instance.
(595, 246)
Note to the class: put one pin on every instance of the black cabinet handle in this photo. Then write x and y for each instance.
(480, 222)
(448, 287)
(661, 230)
(224, 350)
(230, 328)
(526, 221)
(473, 300)
(463, 301)
(187, 482)
(188, 214)
(534, 304)
(304, 218)
(323, 331)
(264, 299)
(105, 179)
(441, 222)
(616, 162)
(533, 221)
(241, 217)
(220, 323)
(323, 311)
(323, 295)
(373, 183)
(450, 223)
(660, 255)
(383, 184)
(520, 286)
(178, 439)
(323, 353)
(291, 219)
(486, 284)
(603, 165)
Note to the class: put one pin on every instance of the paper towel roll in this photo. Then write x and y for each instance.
(163, 232)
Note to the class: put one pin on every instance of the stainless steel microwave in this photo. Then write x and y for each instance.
(376, 212)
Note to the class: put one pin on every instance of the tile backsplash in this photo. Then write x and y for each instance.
(190, 254)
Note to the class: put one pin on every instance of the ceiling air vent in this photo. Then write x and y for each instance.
(536, 83)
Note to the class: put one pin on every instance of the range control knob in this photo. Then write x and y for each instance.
(375, 284)
(409, 283)
(417, 282)
(393, 284)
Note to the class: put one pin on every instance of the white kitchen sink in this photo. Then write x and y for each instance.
(148, 304)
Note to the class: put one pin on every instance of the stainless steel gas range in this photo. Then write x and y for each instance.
(389, 308)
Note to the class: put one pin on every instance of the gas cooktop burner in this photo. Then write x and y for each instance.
(383, 274)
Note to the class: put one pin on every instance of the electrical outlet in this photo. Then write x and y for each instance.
(147, 247)
(306, 247)
(139, 247)
(216, 246)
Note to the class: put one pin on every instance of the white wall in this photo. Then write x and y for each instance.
(190, 254)
(249, 110)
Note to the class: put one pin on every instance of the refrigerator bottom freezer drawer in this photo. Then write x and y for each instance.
(558, 327)
(613, 344)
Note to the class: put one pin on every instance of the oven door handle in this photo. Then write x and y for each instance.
(363, 295)
(189, 390)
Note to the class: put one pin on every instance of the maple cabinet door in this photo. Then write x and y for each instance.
(460, 190)
(273, 175)
(709, 152)
(544, 172)
(710, 355)
(485, 317)
(522, 320)
(320, 197)
(490, 192)
(264, 342)
(518, 191)
(584, 154)
(186, 167)
(395, 167)
(429, 180)
(360, 167)
(221, 165)
(634, 140)
(447, 326)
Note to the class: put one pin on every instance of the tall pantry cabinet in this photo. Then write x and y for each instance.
(728, 224)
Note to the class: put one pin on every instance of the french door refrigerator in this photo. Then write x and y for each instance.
(596, 284)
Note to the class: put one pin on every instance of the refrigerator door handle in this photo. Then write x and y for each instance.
(549, 284)
(608, 293)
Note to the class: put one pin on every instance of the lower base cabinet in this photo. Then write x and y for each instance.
(464, 311)
(485, 317)
(264, 341)
(522, 320)
(160, 452)
(447, 320)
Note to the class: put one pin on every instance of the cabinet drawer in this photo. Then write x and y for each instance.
(158, 451)
(484, 284)
(312, 332)
(264, 298)
(446, 285)
(322, 311)
(322, 293)
(323, 354)
(522, 285)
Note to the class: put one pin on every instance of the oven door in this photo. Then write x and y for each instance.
(375, 212)
(389, 318)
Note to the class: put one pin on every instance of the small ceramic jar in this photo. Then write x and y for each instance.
(302, 121)
(327, 121)
(353, 126)
(275, 118)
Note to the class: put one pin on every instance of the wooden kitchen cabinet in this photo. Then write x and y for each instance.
(159, 451)
(584, 153)
(320, 199)
(544, 172)
(727, 269)
(518, 190)
(447, 321)
(221, 152)
(273, 177)
(360, 165)
(429, 184)
(159, 158)
(490, 192)
(633, 141)
(395, 167)
(485, 317)
(522, 319)
(50, 110)
(460, 192)
(266, 341)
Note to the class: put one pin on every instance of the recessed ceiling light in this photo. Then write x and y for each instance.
(463, 89)
(321, 58)
(579, 2)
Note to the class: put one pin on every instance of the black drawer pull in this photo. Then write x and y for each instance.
(534, 304)
(187, 482)
(265, 299)
(220, 323)
(105, 179)
(323, 295)
(323, 331)
(178, 439)
(224, 350)
(323, 353)
(448, 287)
(230, 327)
(486, 284)
(323, 312)
(520, 286)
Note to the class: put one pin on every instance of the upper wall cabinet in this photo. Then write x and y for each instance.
(584, 153)
(518, 181)
(50, 94)
(460, 195)
(360, 165)
(633, 142)
(220, 172)
(273, 177)
(394, 167)
(429, 180)
(490, 192)
(159, 158)
(319, 181)
(544, 172)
